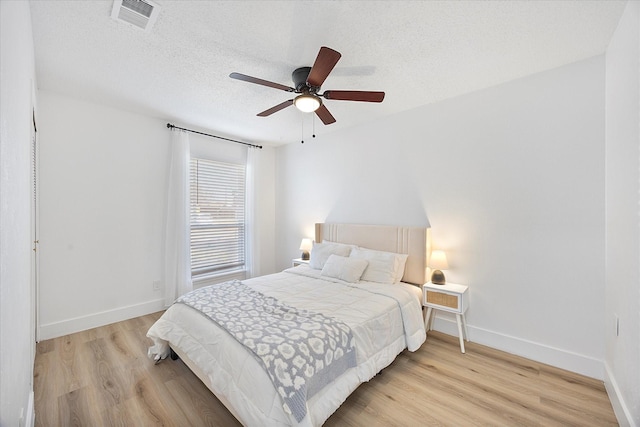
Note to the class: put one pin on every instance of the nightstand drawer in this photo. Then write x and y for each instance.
(443, 300)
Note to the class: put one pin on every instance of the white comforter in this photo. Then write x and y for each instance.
(385, 319)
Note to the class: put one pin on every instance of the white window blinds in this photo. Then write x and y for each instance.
(217, 216)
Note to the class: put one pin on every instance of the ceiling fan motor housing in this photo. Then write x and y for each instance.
(299, 77)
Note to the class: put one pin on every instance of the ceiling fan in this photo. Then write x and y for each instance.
(307, 81)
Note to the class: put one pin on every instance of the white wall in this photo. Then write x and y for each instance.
(622, 356)
(17, 325)
(103, 180)
(102, 201)
(511, 180)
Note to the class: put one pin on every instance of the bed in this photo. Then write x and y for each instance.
(373, 320)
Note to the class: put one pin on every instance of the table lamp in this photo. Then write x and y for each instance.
(438, 262)
(305, 247)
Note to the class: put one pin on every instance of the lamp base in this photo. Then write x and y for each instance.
(305, 256)
(437, 278)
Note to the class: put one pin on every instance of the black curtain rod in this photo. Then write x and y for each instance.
(170, 126)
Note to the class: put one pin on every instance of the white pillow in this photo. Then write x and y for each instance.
(344, 268)
(384, 267)
(401, 261)
(351, 247)
(322, 251)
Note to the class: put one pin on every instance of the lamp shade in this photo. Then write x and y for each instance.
(438, 260)
(306, 245)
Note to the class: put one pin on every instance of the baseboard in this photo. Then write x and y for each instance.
(28, 419)
(619, 406)
(77, 324)
(559, 358)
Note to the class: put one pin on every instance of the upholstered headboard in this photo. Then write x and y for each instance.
(413, 241)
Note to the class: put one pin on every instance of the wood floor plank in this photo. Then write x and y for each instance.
(102, 377)
(105, 376)
(76, 408)
(44, 382)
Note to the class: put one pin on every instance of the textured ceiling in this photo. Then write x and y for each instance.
(417, 52)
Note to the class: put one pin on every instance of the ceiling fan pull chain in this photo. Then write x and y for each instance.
(302, 130)
(313, 124)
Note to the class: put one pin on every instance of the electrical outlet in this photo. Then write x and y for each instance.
(156, 285)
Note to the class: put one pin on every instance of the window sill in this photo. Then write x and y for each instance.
(212, 279)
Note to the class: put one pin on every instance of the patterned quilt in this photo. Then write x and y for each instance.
(301, 351)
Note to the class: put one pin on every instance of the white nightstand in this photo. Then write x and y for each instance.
(448, 297)
(298, 261)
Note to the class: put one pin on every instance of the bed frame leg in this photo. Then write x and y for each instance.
(173, 354)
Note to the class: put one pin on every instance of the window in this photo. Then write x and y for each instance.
(217, 217)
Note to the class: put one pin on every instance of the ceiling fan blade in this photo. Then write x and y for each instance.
(258, 81)
(354, 95)
(325, 61)
(325, 115)
(275, 109)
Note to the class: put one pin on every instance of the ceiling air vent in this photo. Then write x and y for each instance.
(139, 13)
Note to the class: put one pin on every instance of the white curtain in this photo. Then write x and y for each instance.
(251, 227)
(177, 257)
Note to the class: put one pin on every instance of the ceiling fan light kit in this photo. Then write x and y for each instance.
(307, 103)
(307, 81)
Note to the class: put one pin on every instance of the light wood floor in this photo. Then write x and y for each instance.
(102, 377)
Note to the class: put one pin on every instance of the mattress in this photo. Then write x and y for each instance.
(384, 319)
